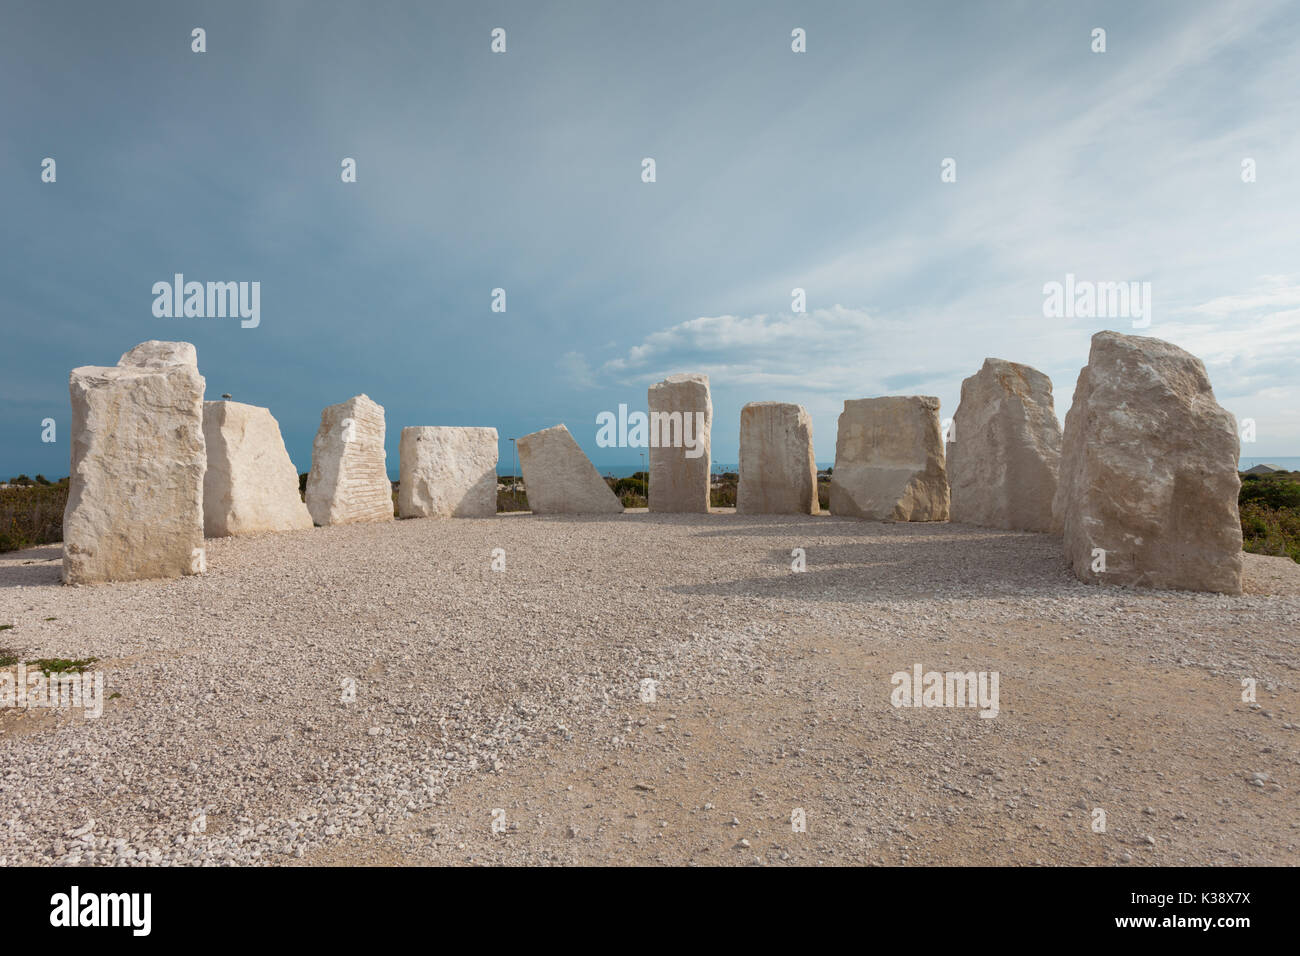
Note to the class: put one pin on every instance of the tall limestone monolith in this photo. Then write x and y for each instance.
(889, 460)
(778, 472)
(1148, 487)
(448, 472)
(1004, 449)
(251, 485)
(135, 498)
(348, 482)
(559, 478)
(681, 422)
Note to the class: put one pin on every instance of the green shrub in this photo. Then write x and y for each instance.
(722, 496)
(32, 515)
(1274, 531)
(509, 499)
(629, 486)
(1281, 490)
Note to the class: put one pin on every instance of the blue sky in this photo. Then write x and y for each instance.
(522, 170)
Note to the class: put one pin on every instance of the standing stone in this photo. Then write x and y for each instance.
(778, 473)
(559, 478)
(135, 499)
(889, 460)
(348, 481)
(448, 472)
(1149, 478)
(251, 485)
(681, 423)
(1003, 463)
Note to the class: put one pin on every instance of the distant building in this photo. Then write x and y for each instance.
(1262, 470)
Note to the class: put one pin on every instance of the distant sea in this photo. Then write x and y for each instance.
(624, 470)
(1287, 464)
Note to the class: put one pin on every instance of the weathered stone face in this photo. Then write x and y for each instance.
(156, 354)
(1149, 471)
(681, 423)
(559, 478)
(251, 485)
(1003, 463)
(448, 472)
(889, 460)
(348, 481)
(778, 473)
(135, 501)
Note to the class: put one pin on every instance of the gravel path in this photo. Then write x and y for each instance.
(520, 690)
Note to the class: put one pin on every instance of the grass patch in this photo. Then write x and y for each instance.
(62, 665)
(7, 657)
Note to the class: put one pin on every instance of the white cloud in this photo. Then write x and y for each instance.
(576, 370)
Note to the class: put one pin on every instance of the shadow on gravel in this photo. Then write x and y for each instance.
(913, 567)
(32, 566)
(723, 526)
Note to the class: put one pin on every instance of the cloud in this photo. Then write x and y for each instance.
(576, 370)
(1247, 339)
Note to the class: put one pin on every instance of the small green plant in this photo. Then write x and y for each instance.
(8, 658)
(62, 665)
(6, 627)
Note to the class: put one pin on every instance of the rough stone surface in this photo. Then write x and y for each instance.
(349, 481)
(1149, 471)
(135, 501)
(156, 354)
(559, 478)
(448, 472)
(889, 460)
(250, 486)
(778, 472)
(680, 409)
(1006, 449)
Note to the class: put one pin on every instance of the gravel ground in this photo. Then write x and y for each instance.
(519, 691)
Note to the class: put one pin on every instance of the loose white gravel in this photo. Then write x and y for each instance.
(230, 741)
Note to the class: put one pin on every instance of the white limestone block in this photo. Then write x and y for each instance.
(135, 501)
(448, 472)
(250, 486)
(348, 482)
(559, 478)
